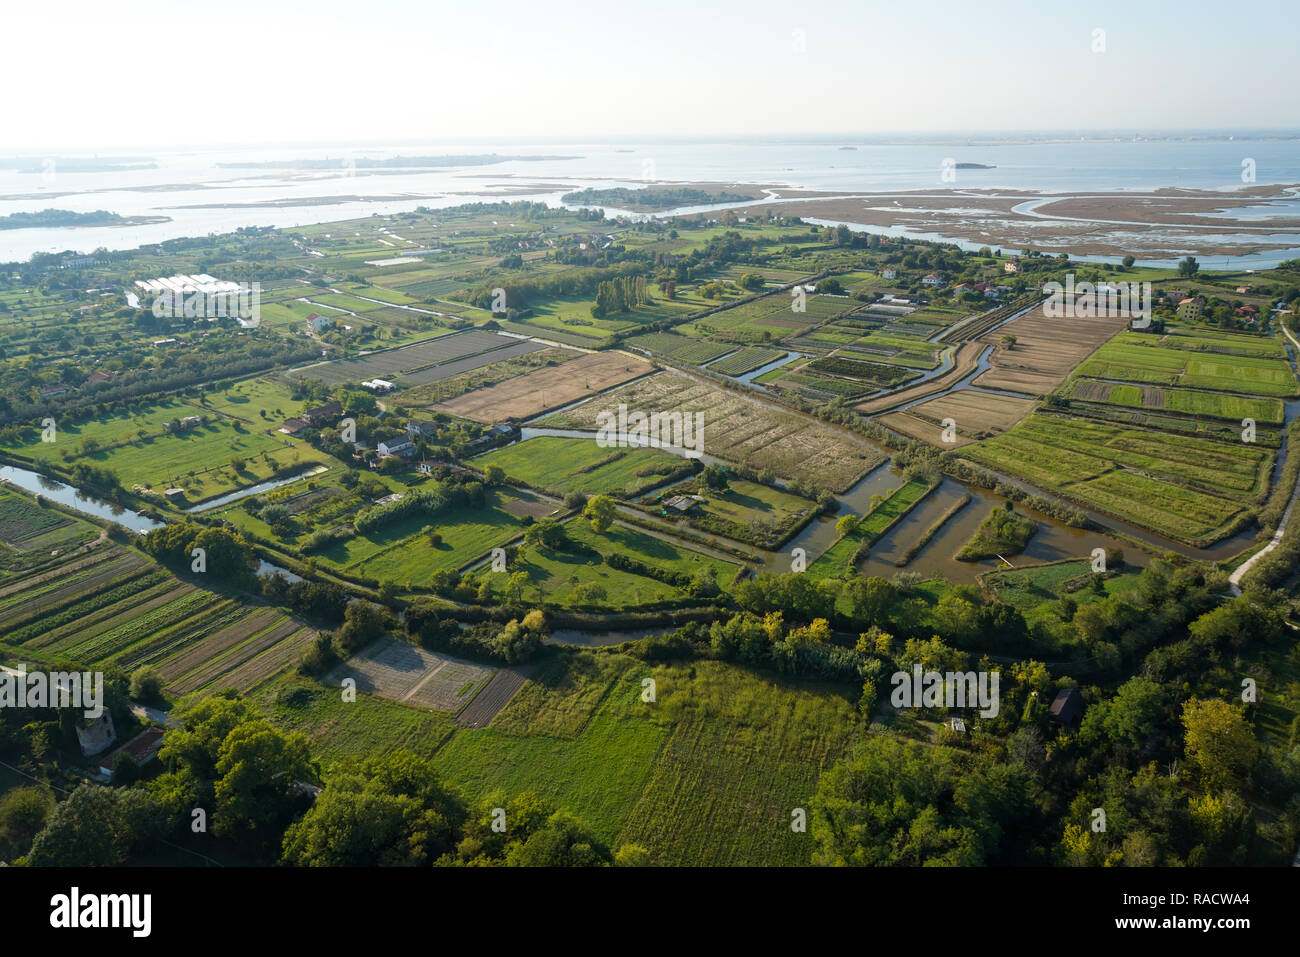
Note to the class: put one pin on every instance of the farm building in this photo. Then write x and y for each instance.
(174, 495)
(889, 272)
(322, 414)
(143, 748)
(378, 386)
(293, 426)
(316, 323)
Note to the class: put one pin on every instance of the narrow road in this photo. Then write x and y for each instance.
(1235, 578)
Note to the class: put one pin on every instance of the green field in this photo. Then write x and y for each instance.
(710, 772)
(1184, 487)
(554, 575)
(1149, 362)
(580, 465)
(1181, 401)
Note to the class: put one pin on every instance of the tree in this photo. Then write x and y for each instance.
(23, 813)
(147, 685)
(600, 511)
(562, 842)
(515, 585)
(1008, 341)
(96, 827)
(1128, 262)
(258, 773)
(391, 810)
(901, 803)
(1131, 717)
(494, 475)
(632, 855)
(1189, 267)
(1220, 742)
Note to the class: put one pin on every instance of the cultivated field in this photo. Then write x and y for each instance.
(710, 772)
(423, 361)
(1240, 364)
(1046, 350)
(965, 361)
(111, 605)
(977, 415)
(1184, 487)
(548, 388)
(402, 672)
(738, 429)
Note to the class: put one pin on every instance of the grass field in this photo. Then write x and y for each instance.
(137, 448)
(710, 772)
(1146, 361)
(399, 551)
(580, 465)
(554, 576)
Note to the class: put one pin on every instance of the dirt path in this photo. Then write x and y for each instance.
(1235, 578)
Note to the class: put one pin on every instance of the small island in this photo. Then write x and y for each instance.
(65, 217)
(1004, 532)
(653, 198)
(394, 162)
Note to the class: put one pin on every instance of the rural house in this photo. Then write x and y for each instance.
(396, 445)
(1067, 708)
(322, 415)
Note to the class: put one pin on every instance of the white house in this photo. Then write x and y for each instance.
(397, 445)
(889, 272)
(316, 323)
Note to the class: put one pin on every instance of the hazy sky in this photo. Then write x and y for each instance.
(142, 74)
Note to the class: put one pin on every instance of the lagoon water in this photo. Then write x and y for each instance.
(193, 178)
